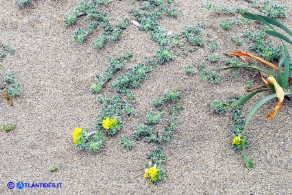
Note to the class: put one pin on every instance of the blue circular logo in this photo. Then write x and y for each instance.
(20, 185)
(10, 185)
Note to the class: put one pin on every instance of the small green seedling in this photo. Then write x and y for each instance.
(54, 169)
(7, 128)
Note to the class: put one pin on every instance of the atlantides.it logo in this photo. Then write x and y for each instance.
(20, 185)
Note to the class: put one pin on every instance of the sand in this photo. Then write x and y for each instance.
(56, 74)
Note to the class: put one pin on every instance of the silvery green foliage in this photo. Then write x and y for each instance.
(126, 143)
(221, 9)
(146, 130)
(193, 35)
(96, 17)
(262, 46)
(210, 76)
(23, 3)
(116, 64)
(4, 51)
(131, 80)
(189, 70)
(164, 54)
(153, 118)
(142, 130)
(7, 77)
(91, 141)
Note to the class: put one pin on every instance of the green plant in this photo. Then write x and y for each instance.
(210, 76)
(122, 23)
(23, 3)
(171, 126)
(80, 35)
(89, 141)
(96, 18)
(116, 64)
(213, 46)
(102, 2)
(277, 85)
(70, 19)
(263, 47)
(153, 118)
(146, 5)
(7, 128)
(238, 41)
(214, 58)
(235, 62)
(248, 84)
(116, 33)
(142, 130)
(193, 35)
(201, 65)
(110, 109)
(161, 37)
(126, 143)
(273, 11)
(54, 169)
(8, 85)
(152, 11)
(157, 103)
(164, 55)
(157, 156)
(226, 25)
(100, 42)
(171, 96)
(224, 10)
(189, 70)
(219, 107)
(146, 131)
(131, 80)
(5, 50)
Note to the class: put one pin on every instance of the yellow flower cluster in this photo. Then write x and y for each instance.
(109, 123)
(152, 174)
(237, 140)
(75, 134)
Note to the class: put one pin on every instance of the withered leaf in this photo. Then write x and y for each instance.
(7, 97)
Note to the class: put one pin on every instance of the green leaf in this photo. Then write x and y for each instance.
(259, 103)
(278, 35)
(249, 67)
(272, 87)
(244, 99)
(247, 161)
(279, 77)
(267, 21)
(286, 68)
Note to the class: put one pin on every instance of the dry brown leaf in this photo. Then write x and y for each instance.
(263, 78)
(255, 88)
(242, 54)
(6, 96)
(280, 96)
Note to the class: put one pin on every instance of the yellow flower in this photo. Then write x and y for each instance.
(75, 134)
(109, 123)
(237, 140)
(146, 174)
(151, 173)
